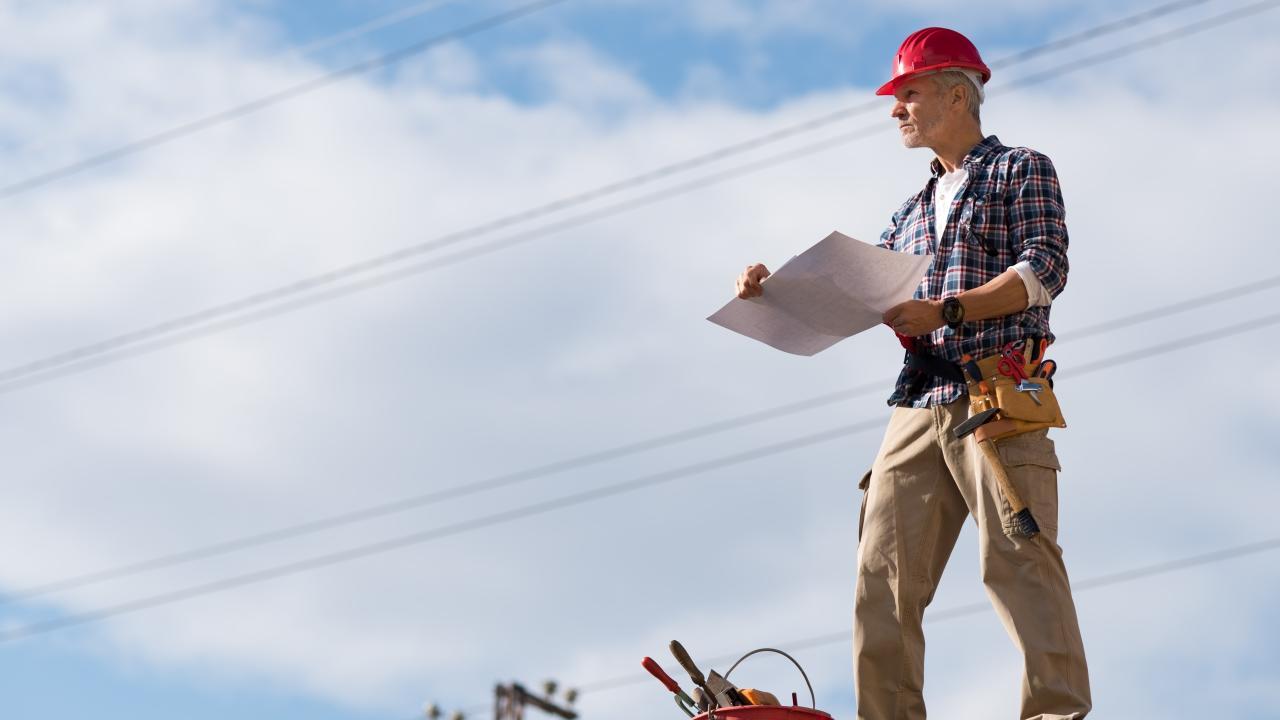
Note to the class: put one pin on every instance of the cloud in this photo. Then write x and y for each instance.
(586, 339)
(575, 76)
(760, 18)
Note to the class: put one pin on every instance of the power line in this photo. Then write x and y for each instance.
(1118, 578)
(425, 499)
(580, 461)
(88, 357)
(266, 101)
(1095, 32)
(540, 508)
(1155, 40)
(311, 290)
(1214, 335)
(381, 22)
(418, 538)
(421, 8)
(1179, 307)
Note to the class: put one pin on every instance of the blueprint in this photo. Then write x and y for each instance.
(833, 290)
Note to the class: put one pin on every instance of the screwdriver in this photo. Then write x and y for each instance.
(656, 670)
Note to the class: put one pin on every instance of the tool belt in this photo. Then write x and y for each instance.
(1021, 410)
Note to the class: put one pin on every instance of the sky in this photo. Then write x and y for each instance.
(581, 330)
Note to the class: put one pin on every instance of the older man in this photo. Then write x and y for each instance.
(993, 218)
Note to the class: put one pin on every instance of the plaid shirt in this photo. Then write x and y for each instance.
(1009, 210)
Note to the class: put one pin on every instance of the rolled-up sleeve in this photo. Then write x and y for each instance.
(1037, 220)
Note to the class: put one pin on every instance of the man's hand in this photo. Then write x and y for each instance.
(914, 318)
(750, 279)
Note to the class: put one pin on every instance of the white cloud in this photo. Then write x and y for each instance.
(576, 76)
(583, 340)
(753, 19)
(447, 67)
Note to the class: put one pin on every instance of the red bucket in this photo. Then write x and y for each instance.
(765, 712)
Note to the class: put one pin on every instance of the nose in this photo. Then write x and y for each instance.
(899, 111)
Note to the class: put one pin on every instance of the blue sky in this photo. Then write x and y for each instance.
(763, 67)
(587, 338)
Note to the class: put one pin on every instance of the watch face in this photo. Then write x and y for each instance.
(952, 310)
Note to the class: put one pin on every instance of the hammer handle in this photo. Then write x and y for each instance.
(1006, 485)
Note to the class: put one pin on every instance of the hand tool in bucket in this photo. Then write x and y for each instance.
(767, 712)
(685, 702)
(682, 656)
(727, 695)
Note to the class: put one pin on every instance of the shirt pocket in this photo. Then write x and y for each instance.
(984, 232)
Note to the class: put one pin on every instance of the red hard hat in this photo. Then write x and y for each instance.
(933, 48)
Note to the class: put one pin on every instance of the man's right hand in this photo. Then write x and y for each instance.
(750, 279)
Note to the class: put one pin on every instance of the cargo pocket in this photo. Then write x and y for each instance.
(863, 485)
(1032, 464)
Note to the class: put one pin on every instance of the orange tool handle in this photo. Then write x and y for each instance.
(656, 670)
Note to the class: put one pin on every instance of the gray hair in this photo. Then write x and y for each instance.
(948, 79)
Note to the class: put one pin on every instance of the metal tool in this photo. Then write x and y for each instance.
(1022, 517)
(726, 693)
(685, 702)
(975, 422)
(1027, 386)
(1012, 363)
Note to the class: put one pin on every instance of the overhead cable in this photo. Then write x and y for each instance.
(941, 615)
(418, 538)
(275, 98)
(547, 506)
(455, 492)
(395, 17)
(399, 265)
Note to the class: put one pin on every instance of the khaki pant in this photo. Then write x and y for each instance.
(923, 486)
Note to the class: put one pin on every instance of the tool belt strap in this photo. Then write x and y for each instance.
(930, 364)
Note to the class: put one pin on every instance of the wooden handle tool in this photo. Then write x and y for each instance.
(656, 670)
(682, 656)
(1022, 518)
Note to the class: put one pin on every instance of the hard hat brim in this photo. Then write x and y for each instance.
(891, 87)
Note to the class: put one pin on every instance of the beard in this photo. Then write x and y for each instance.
(918, 132)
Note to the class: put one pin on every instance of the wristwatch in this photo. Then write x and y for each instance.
(953, 313)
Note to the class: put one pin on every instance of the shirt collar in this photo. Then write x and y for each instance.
(979, 151)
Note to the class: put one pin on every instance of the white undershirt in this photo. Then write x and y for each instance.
(944, 192)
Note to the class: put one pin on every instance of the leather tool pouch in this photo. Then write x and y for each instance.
(1019, 411)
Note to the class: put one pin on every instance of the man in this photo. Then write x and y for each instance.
(993, 218)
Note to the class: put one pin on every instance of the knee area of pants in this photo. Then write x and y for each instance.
(1007, 569)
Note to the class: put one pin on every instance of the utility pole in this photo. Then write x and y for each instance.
(510, 700)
